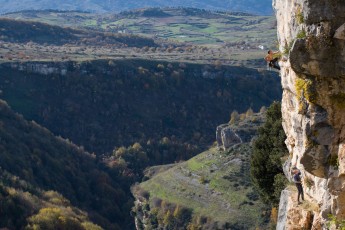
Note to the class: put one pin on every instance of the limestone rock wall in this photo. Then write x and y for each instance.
(226, 137)
(311, 35)
(298, 217)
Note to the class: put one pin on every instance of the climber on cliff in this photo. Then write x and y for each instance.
(297, 180)
(272, 59)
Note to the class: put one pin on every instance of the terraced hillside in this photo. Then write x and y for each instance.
(213, 190)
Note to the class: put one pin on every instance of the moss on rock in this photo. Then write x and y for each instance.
(305, 88)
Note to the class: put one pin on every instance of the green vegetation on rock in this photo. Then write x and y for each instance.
(287, 47)
(299, 15)
(301, 34)
(266, 162)
(305, 88)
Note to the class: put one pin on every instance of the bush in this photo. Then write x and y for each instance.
(254, 196)
(279, 184)
(203, 180)
(234, 117)
(53, 218)
(156, 202)
(266, 166)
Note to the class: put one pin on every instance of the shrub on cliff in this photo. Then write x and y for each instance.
(268, 149)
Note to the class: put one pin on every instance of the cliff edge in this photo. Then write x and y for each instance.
(311, 37)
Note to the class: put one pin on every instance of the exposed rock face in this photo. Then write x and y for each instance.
(226, 137)
(283, 209)
(295, 217)
(311, 35)
(42, 68)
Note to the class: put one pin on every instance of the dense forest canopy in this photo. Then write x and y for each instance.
(32, 159)
(131, 114)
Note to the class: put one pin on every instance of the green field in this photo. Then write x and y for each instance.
(184, 35)
(213, 28)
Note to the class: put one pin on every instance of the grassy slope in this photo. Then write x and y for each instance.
(224, 197)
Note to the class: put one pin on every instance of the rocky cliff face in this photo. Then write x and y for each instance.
(311, 35)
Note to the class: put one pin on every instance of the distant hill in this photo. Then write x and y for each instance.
(185, 25)
(261, 7)
(20, 31)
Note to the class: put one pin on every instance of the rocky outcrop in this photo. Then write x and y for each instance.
(311, 37)
(228, 135)
(283, 209)
(141, 213)
(292, 216)
(44, 68)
